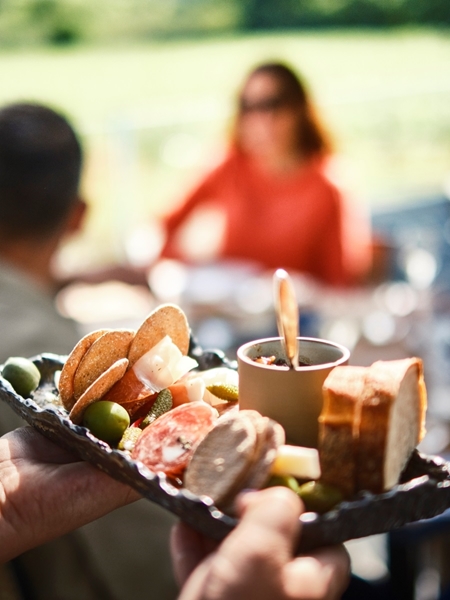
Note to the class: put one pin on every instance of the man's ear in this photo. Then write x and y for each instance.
(76, 217)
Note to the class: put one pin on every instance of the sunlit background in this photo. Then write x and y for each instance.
(150, 85)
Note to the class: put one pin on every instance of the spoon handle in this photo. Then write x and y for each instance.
(287, 315)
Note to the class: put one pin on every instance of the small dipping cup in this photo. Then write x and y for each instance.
(291, 397)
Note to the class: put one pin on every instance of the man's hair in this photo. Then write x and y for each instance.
(40, 165)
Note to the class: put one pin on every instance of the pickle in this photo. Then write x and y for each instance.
(224, 391)
(129, 438)
(283, 480)
(162, 404)
(319, 497)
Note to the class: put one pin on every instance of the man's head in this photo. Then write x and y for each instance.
(40, 165)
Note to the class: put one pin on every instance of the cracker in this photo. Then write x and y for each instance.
(260, 423)
(264, 455)
(70, 366)
(167, 319)
(105, 351)
(259, 474)
(222, 459)
(98, 389)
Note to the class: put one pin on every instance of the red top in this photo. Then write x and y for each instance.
(295, 221)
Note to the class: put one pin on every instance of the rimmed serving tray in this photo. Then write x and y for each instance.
(424, 493)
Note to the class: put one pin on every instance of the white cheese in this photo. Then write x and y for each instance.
(163, 365)
(298, 461)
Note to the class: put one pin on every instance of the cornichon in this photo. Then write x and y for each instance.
(224, 391)
(129, 438)
(162, 404)
(319, 497)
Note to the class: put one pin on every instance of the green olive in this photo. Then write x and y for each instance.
(319, 497)
(283, 480)
(106, 420)
(22, 374)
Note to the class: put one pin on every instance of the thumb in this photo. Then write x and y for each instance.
(273, 515)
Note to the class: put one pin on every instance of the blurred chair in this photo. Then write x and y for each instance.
(417, 237)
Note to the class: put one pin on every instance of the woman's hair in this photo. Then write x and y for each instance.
(312, 137)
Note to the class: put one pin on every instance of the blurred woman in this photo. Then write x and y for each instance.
(276, 202)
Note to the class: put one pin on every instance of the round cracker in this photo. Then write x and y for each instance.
(259, 473)
(222, 459)
(168, 319)
(104, 352)
(271, 436)
(98, 389)
(65, 384)
(261, 423)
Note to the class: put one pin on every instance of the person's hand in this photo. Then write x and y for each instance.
(46, 492)
(256, 560)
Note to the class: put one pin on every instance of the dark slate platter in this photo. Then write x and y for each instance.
(423, 493)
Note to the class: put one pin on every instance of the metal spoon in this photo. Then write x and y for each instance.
(286, 308)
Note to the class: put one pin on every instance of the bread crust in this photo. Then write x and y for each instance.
(382, 393)
(342, 391)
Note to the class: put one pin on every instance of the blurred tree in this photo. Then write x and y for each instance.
(60, 23)
(42, 21)
(436, 12)
(266, 14)
(69, 21)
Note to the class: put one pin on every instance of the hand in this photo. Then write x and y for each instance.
(46, 492)
(256, 562)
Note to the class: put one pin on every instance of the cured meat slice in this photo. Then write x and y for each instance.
(130, 392)
(168, 444)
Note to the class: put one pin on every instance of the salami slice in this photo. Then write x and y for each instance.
(168, 444)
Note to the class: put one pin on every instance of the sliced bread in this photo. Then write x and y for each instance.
(372, 419)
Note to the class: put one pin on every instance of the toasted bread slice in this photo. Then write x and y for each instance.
(338, 427)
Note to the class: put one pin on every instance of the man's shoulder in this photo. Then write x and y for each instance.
(29, 321)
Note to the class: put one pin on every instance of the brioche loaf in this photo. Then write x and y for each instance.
(371, 421)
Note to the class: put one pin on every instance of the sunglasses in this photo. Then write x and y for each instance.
(265, 105)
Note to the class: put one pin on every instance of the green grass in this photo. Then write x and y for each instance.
(386, 96)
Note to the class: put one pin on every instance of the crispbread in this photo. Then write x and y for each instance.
(222, 460)
(104, 352)
(65, 384)
(168, 319)
(98, 389)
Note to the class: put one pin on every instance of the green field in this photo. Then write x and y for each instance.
(153, 115)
